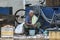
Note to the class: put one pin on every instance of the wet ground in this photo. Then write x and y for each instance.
(23, 37)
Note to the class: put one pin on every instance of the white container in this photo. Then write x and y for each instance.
(7, 31)
(32, 32)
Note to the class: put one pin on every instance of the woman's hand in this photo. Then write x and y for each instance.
(33, 25)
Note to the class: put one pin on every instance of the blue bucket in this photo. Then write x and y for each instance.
(31, 32)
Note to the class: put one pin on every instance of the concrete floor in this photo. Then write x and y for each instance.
(36, 37)
(22, 37)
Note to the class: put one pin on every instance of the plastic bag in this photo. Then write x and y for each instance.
(19, 29)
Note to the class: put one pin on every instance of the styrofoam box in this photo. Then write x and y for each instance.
(7, 31)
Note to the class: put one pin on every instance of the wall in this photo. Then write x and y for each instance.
(16, 4)
(33, 2)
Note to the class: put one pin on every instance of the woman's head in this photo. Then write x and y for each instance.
(31, 13)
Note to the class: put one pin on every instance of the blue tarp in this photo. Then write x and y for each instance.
(48, 11)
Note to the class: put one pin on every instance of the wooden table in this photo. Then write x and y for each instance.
(6, 19)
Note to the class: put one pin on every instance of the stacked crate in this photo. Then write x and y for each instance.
(7, 33)
(53, 3)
